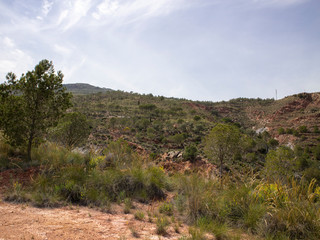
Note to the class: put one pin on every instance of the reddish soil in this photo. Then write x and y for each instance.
(198, 106)
(23, 176)
(20, 221)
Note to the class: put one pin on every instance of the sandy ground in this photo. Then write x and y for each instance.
(20, 221)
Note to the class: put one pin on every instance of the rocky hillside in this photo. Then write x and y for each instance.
(293, 119)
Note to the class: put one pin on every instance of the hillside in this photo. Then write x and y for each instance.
(84, 88)
(161, 124)
(146, 167)
(297, 115)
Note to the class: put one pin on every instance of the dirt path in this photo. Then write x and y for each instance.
(20, 221)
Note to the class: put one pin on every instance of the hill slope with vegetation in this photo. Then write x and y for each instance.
(171, 123)
(115, 149)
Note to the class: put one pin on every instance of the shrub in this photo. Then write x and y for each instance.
(73, 177)
(281, 131)
(162, 224)
(316, 152)
(166, 208)
(289, 130)
(177, 138)
(190, 153)
(196, 118)
(195, 195)
(280, 163)
(196, 234)
(127, 205)
(119, 155)
(273, 142)
(72, 130)
(303, 129)
(139, 215)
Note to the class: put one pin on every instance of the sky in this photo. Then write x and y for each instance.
(209, 50)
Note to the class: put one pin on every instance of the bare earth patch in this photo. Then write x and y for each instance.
(20, 221)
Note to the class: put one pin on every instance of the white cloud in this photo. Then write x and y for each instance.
(46, 7)
(77, 10)
(133, 10)
(12, 58)
(8, 42)
(107, 7)
(62, 16)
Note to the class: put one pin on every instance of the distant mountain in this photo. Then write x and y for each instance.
(84, 88)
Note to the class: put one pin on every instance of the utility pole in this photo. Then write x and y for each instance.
(276, 94)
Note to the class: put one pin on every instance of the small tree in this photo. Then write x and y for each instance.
(32, 104)
(73, 129)
(150, 109)
(221, 144)
(190, 153)
(280, 164)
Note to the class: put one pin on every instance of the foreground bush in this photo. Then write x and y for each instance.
(272, 210)
(77, 178)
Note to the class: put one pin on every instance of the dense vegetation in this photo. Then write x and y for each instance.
(262, 188)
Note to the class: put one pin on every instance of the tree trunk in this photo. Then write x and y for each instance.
(221, 162)
(30, 140)
(29, 148)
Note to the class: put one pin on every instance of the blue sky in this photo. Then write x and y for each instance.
(196, 49)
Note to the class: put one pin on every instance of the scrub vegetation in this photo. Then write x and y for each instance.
(113, 147)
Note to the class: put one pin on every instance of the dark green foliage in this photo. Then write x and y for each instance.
(72, 130)
(316, 152)
(289, 130)
(178, 138)
(316, 129)
(190, 153)
(273, 142)
(280, 164)
(312, 172)
(303, 129)
(148, 107)
(32, 104)
(197, 118)
(281, 131)
(221, 143)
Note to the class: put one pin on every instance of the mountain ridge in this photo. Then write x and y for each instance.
(84, 88)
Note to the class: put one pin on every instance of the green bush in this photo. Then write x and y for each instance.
(303, 129)
(177, 138)
(162, 225)
(190, 153)
(273, 142)
(197, 118)
(75, 178)
(289, 130)
(166, 208)
(139, 215)
(281, 131)
(316, 129)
